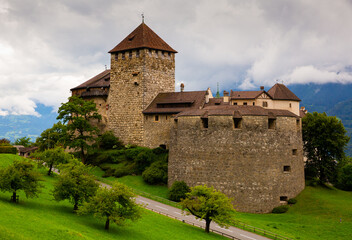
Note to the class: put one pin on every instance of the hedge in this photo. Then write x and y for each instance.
(8, 149)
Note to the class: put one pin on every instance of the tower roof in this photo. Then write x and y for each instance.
(281, 92)
(142, 37)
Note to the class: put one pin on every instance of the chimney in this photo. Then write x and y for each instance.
(182, 87)
(226, 96)
(262, 88)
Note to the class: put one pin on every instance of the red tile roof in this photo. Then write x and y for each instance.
(281, 92)
(142, 37)
(245, 94)
(100, 80)
(175, 102)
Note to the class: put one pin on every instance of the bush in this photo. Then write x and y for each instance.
(280, 209)
(292, 201)
(143, 160)
(8, 149)
(345, 177)
(156, 173)
(108, 141)
(132, 153)
(4, 142)
(178, 191)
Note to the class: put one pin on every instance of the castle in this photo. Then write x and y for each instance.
(248, 144)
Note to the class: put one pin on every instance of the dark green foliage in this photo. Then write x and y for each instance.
(52, 137)
(116, 204)
(21, 175)
(156, 173)
(178, 191)
(24, 141)
(8, 149)
(345, 177)
(292, 201)
(79, 114)
(159, 151)
(324, 140)
(281, 209)
(208, 204)
(143, 160)
(4, 142)
(108, 141)
(75, 183)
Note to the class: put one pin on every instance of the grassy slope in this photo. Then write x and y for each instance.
(44, 218)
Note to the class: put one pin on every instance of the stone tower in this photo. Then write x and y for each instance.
(142, 65)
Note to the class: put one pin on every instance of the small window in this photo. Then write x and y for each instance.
(298, 124)
(253, 103)
(294, 151)
(166, 117)
(237, 123)
(156, 118)
(283, 198)
(116, 56)
(287, 168)
(123, 56)
(235, 103)
(245, 103)
(271, 123)
(204, 122)
(156, 53)
(265, 104)
(290, 105)
(137, 53)
(130, 55)
(149, 52)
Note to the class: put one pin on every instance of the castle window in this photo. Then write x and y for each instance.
(204, 122)
(271, 123)
(245, 103)
(283, 199)
(294, 151)
(156, 118)
(287, 168)
(235, 103)
(237, 123)
(123, 56)
(130, 55)
(265, 104)
(149, 52)
(290, 105)
(137, 53)
(298, 124)
(253, 103)
(116, 56)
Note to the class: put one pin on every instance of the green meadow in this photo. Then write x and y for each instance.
(44, 218)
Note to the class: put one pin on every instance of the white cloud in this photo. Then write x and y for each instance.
(46, 48)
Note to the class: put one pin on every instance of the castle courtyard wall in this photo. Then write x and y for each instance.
(247, 164)
(157, 132)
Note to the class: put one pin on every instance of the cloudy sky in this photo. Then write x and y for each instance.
(48, 47)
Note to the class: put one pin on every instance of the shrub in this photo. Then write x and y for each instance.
(292, 201)
(143, 160)
(280, 209)
(123, 170)
(178, 191)
(108, 141)
(132, 153)
(4, 142)
(345, 177)
(156, 173)
(8, 149)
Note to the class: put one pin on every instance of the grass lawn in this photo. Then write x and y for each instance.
(44, 218)
(135, 182)
(315, 216)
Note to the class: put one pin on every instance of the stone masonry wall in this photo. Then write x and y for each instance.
(134, 83)
(247, 164)
(157, 132)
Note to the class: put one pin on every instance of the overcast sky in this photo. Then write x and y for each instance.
(48, 47)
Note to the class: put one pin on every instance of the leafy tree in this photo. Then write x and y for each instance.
(108, 141)
(116, 204)
(75, 184)
(53, 157)
(21, 175)
(52, 137)
(24, 141)
(209, 204)
(324, 140)
(345, 177)
(79, 114)
(4, 142)
(178, 191)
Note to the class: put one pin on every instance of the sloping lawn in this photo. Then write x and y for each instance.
(44, 218)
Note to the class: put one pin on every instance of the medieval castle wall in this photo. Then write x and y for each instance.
(260, 168)
(157, 129)
(136, 78)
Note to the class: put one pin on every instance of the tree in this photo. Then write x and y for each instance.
(52, 137)
(209, 204)
(4, 142)
(24, 141)
(53, 157)
(78, 114)
(75, 184)
(345, 177)
(21, 175)
(108, 141)
(178, 191)
(324, 139)
(116, 204)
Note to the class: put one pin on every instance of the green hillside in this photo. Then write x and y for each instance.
(44, 218)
